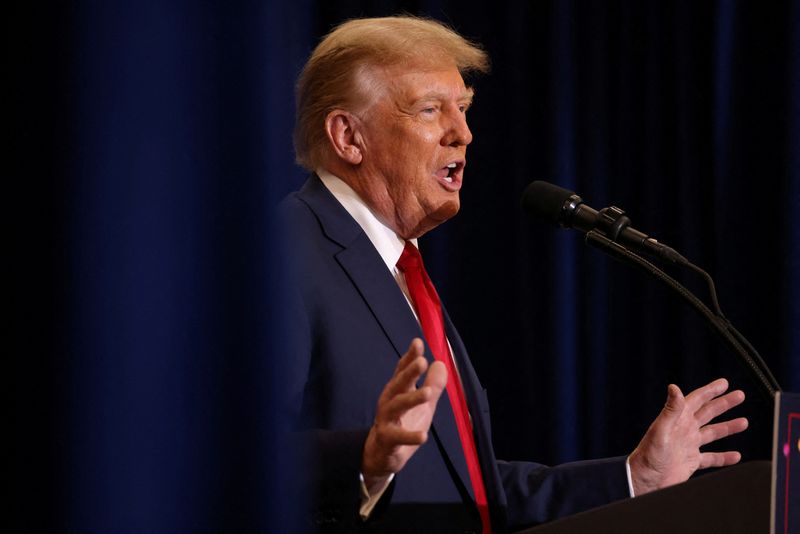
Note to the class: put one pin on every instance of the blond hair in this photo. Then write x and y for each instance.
(329, 79)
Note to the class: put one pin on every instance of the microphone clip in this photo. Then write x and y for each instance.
(613, 221)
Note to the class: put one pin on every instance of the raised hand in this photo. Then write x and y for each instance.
(669, 452)
(403, 416)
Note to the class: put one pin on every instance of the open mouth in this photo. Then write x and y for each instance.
(450, 175)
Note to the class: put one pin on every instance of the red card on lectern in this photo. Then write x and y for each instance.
(786, 465)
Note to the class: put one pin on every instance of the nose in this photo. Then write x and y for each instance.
(457, 132)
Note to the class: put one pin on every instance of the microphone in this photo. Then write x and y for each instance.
(562, 207)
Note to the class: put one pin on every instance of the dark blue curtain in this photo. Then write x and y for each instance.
(154, 139)
(151, 139)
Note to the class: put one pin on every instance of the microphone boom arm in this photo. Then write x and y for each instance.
(718, 323)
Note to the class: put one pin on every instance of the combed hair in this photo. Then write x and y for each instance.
(329, 79)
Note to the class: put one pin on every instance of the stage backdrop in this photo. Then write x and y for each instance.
(153, 141)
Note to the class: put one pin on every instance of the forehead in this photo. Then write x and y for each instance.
(408, 83)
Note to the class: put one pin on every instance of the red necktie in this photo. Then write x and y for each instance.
(429, 310)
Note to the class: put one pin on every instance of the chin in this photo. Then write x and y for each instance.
(443, 212)
(447, 209)
(434, 218)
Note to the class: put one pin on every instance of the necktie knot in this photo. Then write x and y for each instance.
(410, 259)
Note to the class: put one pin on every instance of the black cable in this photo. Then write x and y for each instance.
(739, 337)
(717, 321)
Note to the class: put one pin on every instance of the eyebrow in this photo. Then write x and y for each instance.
(468, 95)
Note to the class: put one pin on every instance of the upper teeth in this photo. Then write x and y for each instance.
(451, 166)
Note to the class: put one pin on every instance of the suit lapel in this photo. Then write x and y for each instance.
(480, 421)
(380, 292)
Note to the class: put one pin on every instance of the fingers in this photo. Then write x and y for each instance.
(415, 350)
(408, 370)
(718, 406)
(702, 395)
(404, 413)
(399, 404)
(721, 430)
(719, 459)
(393, 436)
(401, 395)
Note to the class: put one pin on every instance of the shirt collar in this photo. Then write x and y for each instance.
(388, 244)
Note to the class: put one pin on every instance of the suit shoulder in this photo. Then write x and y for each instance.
(292, 206)
(296, 218)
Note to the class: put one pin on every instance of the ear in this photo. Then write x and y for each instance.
(343, 133)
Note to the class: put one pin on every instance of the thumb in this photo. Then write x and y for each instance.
(437, 377)
(675, 403)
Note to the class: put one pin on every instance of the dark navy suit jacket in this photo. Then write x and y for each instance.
(349, 325)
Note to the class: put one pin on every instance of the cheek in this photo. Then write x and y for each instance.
(429, 137)
(422, 136)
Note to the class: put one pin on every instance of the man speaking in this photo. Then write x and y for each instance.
(383, 395)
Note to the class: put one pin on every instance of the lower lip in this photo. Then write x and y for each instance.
(453, 186)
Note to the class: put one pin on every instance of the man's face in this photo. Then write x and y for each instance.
(415, 137)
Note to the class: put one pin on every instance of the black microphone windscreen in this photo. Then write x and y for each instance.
(545, 201)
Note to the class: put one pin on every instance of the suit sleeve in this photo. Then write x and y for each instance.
(529, 493)
(537, 493)
(329, 464)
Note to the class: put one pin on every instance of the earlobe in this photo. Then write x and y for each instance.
(341, 128)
